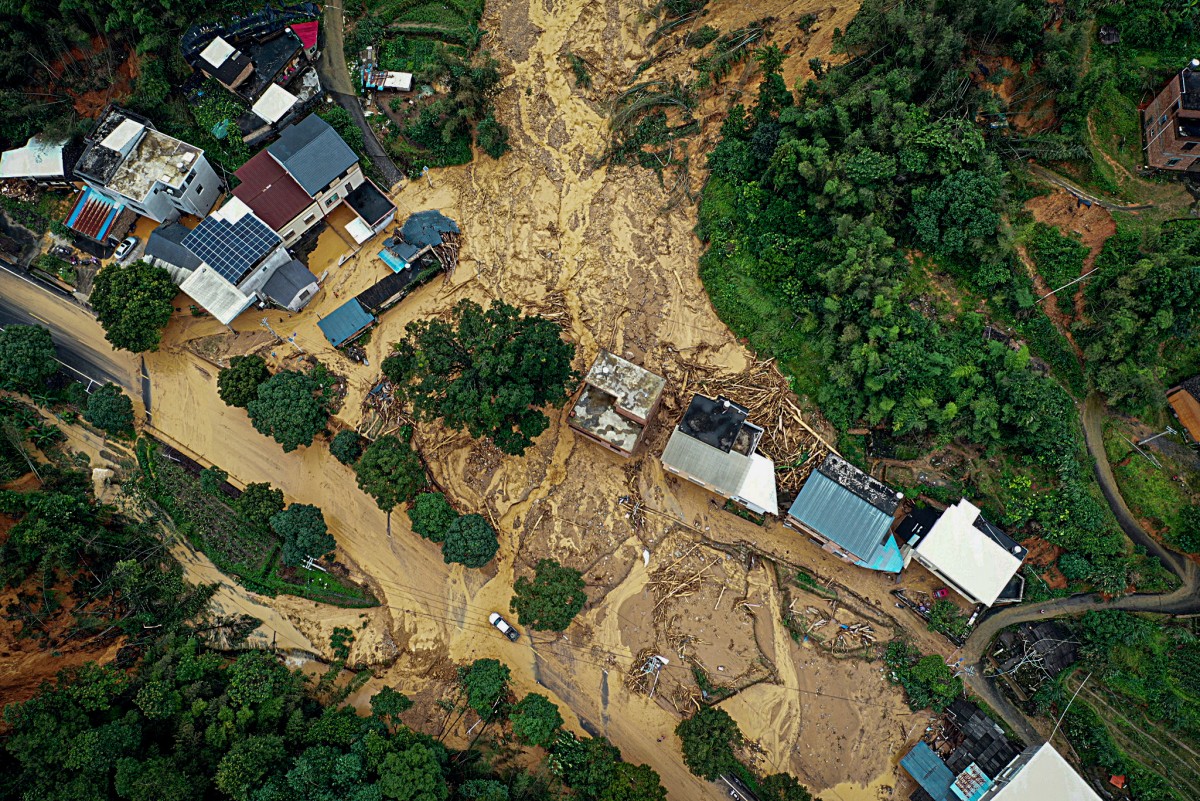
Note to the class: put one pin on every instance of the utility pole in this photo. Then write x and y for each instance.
(1156, 436)
(1068, 709)
(265, 323)
(311, 564)
(1069, 283)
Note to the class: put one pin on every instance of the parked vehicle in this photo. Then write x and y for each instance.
(502, 624)
(941, 593)
(127, 246)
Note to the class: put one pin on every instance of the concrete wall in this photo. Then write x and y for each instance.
(339, 188)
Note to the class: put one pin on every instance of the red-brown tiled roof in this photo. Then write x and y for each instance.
(270, 192)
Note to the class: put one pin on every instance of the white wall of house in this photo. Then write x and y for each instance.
(336, 192)
(200, 189)
(300, 223)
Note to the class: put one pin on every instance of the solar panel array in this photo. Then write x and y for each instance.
(232, 249)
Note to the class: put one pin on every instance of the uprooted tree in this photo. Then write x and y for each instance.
(488, 372)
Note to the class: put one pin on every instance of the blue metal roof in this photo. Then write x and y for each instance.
(929, 771)
(344, 322)
(312, 153)
(885, 558)
(835, 512)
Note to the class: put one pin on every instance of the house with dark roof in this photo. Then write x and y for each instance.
(230, 261)
(849, 514)
(345, 323)
(1185, 402)
(1171, 123)
(974, 557)
(141, 169)
(225, 63)
(716, 446)
(324, 167)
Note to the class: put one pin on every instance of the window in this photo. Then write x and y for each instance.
(304, 295)
(199, 189)
(1162, 120)
(308, 220)
(332, 199)
(346, 189)
(1172, 162)
(1187, 146)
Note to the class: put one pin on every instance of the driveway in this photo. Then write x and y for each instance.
(336, 80)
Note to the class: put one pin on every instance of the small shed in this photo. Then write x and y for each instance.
(346, 323)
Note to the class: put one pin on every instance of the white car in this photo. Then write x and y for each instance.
(502, 624)
(127, 246)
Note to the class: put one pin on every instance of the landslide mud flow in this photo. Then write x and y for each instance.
(595, 249)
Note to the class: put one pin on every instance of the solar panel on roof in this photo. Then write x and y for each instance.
(231, 249)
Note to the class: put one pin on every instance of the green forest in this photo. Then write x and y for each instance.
(863, 230)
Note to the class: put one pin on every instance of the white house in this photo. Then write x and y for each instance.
(975, 559)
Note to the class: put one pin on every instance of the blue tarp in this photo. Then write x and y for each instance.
(345, 322)
(929, 770)
(391, 261)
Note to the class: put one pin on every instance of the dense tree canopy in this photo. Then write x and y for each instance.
(26, 356)
(431, 515)
(551, 601)
(346, 447)
(133, 303)
(390, 472)
(488, 372)
(471, 541)
(536, 720)
(485, 683)
(709, 738)
(238, 383)
(289, 409)
(302, 528)
(258, 503)
(111, 409)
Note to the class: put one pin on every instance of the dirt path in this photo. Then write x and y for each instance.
(1074, 189)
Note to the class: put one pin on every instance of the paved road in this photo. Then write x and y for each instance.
(336, 80)
(77, 335)
(1185, 600)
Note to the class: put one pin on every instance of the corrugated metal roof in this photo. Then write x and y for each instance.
(220, 298)
(286, 283)
(425, 228)
(722, 472)
(929, 771)
(835, 512)
(313, 153)
(344, 322)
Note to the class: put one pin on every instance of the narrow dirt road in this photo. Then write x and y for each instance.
(1184, 600)
(334, 77)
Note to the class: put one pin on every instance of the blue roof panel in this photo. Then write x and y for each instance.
(344, 322)
(929, 771)
(838, 514)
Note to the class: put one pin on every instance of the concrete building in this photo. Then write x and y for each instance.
(135, 167)
(849, 514)
(975, 559)
(1171, 123)
(45, 161)
(615, 403)
(715, 446)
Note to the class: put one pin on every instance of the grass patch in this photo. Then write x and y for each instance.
(248, 555)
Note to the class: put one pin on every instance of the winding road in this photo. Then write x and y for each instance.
(1184, 600)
